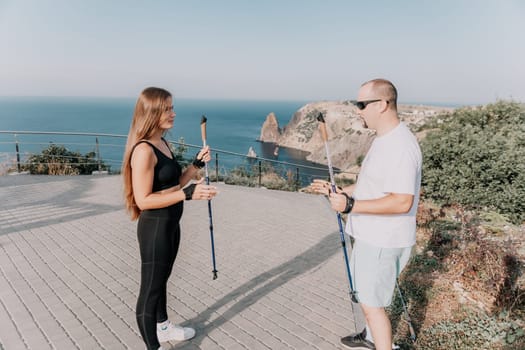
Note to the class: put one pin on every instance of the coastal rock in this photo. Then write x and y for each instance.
(348, 140)
(251, 153)
(270, 131)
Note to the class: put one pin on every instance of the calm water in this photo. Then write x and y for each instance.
(232, 126)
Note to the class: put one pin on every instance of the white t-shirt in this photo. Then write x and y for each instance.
(392, 165)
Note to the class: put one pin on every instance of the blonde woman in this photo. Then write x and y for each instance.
(154, 186)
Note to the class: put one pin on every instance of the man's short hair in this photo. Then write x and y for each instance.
(385, 90)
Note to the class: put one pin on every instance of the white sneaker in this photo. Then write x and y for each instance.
(169, 332)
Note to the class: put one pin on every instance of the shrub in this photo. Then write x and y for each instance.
(462, 286)
(57, 160)
(248, 175)
(476, 158)
(179, 149)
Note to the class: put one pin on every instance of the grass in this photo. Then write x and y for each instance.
(462, 286)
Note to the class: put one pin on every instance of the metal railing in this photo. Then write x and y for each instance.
(102, 153)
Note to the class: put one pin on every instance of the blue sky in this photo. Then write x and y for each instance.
(446, 51)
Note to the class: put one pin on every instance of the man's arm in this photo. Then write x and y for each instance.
(392, 203)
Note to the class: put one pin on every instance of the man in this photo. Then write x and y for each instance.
(382, 209)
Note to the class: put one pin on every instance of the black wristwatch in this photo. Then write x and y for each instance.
(349, 204)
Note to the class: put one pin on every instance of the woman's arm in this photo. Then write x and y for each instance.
(191, 170)
(188, 174)
(143, 163)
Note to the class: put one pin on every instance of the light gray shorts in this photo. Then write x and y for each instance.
(375, 270)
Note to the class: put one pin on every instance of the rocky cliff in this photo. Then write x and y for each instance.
(348, 139)
(270, 131)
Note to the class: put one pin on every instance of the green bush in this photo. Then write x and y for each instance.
(271, 178)
(179, 149)
(477, 158)
(58, 160)
(474, 332)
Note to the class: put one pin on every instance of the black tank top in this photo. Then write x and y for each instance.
(166, 174)
(167, 171)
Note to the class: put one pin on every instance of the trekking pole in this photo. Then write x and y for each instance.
(324, 135)
(407, 316)
(203, 133)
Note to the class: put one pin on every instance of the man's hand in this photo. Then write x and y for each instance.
(338, 201)
(321, 187)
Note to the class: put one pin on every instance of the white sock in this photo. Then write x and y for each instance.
(370, 339)
(369, 334)
(163, 325)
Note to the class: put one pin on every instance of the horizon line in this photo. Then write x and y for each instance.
(254, 99)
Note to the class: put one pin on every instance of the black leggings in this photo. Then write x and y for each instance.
(158, 234)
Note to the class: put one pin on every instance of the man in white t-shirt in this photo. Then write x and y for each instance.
(382, 209)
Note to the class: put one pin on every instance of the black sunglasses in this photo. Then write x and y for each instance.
(362, 104)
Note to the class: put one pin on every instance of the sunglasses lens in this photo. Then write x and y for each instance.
(360, 105)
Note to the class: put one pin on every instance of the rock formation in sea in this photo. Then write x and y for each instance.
(348, 139)
(251, 153)
(270, 131)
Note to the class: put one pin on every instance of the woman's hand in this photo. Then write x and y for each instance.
(203, 191)
(202, 157)
(200, 191)
(204, 154)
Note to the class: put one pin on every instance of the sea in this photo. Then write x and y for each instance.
(233, 127)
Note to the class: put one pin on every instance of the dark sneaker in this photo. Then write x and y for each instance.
(357, 341)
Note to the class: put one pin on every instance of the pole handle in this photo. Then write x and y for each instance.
(203, 129)
(322, 127)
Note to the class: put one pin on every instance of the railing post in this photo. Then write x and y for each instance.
(216, 167)
(17, 155)
(297, 179)
(260, 174)
(98, 155)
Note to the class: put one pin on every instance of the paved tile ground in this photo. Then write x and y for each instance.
(70, 269)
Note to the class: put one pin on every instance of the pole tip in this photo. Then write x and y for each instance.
(214, 274)
(320, 117)
(203, 119)
(353, 297)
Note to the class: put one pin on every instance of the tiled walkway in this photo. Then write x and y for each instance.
(69, 269)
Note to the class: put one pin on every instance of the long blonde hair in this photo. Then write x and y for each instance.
(152, 102)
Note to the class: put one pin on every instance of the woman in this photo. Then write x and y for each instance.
(154, 193)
